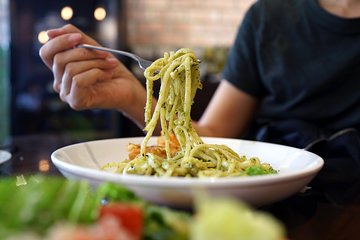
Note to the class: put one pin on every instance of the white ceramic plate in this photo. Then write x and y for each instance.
(297, 168)
(4, 156)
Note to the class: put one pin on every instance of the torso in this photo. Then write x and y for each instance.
(307, 63)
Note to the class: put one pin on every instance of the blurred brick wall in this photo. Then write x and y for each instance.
(158, 25)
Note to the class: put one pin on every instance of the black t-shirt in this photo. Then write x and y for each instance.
(300, 61)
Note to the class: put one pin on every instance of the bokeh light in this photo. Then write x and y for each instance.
(99, 13)
(67, 13)
(43, 37)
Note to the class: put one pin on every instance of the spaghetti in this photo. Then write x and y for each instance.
(180, 79)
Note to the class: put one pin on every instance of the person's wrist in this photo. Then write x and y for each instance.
(135, 104)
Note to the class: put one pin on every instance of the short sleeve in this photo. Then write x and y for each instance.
(241, 67)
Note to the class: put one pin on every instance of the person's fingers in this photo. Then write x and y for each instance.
(62, 39)
(83, 94)
(57, 45)
(68, 28)
(75, 55)
(75, 68)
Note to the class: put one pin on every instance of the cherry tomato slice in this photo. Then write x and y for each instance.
(130, 216)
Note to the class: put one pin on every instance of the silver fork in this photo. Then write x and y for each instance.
(143, 63)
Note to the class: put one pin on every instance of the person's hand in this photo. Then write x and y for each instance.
(88, 78)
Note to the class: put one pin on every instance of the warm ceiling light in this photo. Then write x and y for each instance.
(99, 13)
(43, 37)
(66, 13)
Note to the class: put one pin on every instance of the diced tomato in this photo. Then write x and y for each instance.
(129, 216)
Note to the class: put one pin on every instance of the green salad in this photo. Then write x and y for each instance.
(41, 207)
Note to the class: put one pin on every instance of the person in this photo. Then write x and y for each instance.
(292, 77)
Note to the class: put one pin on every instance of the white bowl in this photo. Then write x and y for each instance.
(296, 167)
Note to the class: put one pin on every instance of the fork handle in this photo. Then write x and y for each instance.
(107, 50)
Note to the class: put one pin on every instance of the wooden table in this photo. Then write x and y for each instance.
(309, 215)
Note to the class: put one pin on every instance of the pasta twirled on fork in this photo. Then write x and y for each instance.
(180, 79)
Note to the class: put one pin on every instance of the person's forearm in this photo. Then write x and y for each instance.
(203, 131)
(227, 116)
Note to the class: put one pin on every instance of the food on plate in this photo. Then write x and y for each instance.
(50, 208)
(158, 150)
(188, 156)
